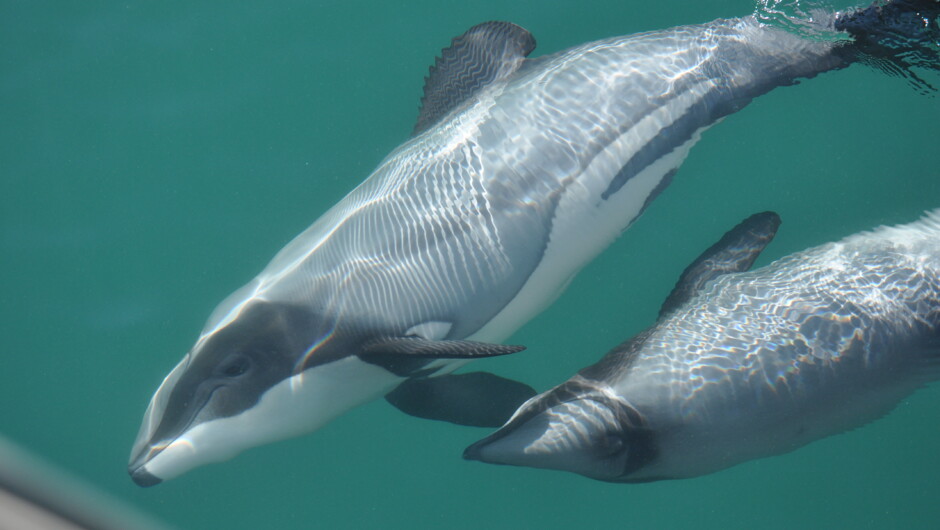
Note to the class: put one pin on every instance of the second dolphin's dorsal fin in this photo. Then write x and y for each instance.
(485, 53)
(734, 252)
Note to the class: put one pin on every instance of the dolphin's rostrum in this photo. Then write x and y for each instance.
(520, 171)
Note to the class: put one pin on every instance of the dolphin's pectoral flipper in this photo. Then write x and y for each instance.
(476, 399)
(407, 356)
(734, 252)
(485, 53)
(436, 349)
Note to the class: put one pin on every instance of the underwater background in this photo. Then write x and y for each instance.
(154, 157)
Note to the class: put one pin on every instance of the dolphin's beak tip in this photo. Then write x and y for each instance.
(478, 450)
(143, 478)
(471, 453)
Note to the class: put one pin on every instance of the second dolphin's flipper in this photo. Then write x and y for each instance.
(476, 399)
(734, 252)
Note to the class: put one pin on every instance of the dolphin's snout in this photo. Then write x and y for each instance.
(137, 468)
(143, 478)
(511, 445)
(580, 437)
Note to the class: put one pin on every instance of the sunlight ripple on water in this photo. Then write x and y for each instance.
(913, 60)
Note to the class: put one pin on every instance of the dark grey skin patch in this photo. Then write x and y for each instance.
(236, 365)
(660, 187)
(713, 106)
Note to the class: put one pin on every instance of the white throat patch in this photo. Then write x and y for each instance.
(295, 406)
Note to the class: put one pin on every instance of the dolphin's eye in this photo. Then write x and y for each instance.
(235, 367)
(613, 444)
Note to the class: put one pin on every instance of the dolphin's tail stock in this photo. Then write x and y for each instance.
(895, 36)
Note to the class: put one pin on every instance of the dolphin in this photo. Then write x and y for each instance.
(744, 365)
(519, 172)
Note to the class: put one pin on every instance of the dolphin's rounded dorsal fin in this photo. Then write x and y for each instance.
(486, 53)
(734, 252)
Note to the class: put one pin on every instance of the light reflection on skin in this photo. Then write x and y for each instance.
(297, 380)
(838, 335)
(180, 443)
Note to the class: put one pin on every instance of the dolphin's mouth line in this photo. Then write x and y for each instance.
(149, 453)
(151, 450)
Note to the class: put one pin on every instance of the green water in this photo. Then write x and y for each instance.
(155, 155)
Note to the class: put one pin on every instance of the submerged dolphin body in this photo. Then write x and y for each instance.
(519, 172)
(743, 365)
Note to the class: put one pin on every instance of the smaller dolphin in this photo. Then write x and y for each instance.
(744, 365)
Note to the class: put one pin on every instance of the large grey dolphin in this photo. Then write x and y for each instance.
(519, 172)
(743, 365)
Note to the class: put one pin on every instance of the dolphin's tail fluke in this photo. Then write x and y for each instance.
(895, 36)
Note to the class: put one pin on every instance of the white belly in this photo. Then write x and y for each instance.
(584, 225)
